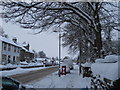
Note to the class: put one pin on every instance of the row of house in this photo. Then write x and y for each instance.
(13, 52)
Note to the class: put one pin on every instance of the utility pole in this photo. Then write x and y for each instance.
(59, 46)
(59, 50)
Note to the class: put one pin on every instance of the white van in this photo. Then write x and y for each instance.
(69, 62)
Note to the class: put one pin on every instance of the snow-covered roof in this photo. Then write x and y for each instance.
(9, 41)
(40, 59)
(22, 46)
(30, 51)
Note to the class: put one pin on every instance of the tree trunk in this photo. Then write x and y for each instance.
(98, 40)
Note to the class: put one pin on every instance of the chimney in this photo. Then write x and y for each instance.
(14, 40)
(27, 47)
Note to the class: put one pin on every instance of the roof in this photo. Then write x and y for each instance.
(9, 41)
(40, 59)
(22, 46)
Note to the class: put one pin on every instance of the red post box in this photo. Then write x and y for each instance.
(63, 70)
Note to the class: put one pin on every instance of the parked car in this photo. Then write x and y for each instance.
(11, 84)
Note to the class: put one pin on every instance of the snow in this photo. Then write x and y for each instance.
(87, 64)
(22, 64)
(108, 59)
(22, 46)
(8, 66)
(19, 71)
(40, 59)
(107, 68)
(100, 60)
(112, 58)
(72, 80)
(8, 41)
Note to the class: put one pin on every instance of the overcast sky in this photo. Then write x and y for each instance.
(46, 41)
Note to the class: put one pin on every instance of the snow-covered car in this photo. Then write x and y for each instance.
(67, 68)
(11, 84)
(69, 62)
(47, 63)
(24, 63)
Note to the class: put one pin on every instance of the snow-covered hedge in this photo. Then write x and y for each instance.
(112, 58)
(107, 67)
(108, 59)
(100, 60)
(105, 70)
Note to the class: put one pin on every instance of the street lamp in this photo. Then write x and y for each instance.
(59, 32)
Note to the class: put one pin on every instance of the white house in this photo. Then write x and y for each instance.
(9, 51)
(13, 52)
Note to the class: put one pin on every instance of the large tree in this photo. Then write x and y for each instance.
(42, 15)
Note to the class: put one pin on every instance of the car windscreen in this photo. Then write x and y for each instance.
(9, 84)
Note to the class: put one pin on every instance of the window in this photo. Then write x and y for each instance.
(3, 57)
(5, 46)
(13, 59)
(2, 46)
(14, 49)
(18, 50)
(9, 47)
(9, 58)
(17, 58)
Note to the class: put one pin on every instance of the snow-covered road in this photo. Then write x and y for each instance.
(72, 80)
(20, 71)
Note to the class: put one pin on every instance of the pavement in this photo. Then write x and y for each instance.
(70, 80)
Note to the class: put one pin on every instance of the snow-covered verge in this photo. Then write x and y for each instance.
(19, 71)
(107, 68)
(72, 80)
(109, 59)
(22, 64)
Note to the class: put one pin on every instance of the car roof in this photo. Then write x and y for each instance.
(14, 80)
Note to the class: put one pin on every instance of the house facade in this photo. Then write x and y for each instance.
(26, 54)
(12, 52)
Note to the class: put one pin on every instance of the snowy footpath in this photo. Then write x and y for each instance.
(72, 80)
